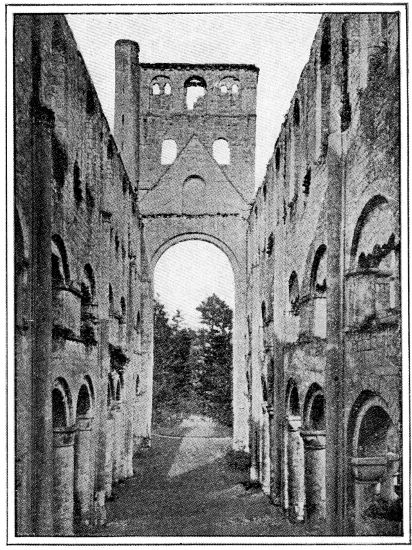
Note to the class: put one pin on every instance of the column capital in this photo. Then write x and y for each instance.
(294, 423)
(314, 439)
(84, 424)
(368, 468)
(63, 437)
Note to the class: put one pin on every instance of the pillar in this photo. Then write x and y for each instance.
(82, 470)
(265, 451)
(315, 461)
(296, 481)
(116, 410)
(387, 482)
(63, 471)
(128, 458)
(41, 429)
(108, 467)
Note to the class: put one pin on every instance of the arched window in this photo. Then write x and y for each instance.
(110, 148)
(123, 308)
(221, 151)
(271, 242)
(88, 309)
(169, 152)
(318, 290)
(160, 86)
(60, 265)
(373, 282)
(195, 91)
(229, 86)
(59, 417)
(61, 404)
(111, 302)
(263, 310)
(292, 404)
(83, 401)
(193, 193)
(294, 294)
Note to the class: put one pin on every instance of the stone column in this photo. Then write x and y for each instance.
(128, 440)
(315, 461)
(285, 472)
(265, 452)
(108, 466)
(296, 477)
(387, 482)
(116, 410)
(63, 471)
(122, 441)
(82, 469)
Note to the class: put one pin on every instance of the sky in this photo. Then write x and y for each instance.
(277, 43)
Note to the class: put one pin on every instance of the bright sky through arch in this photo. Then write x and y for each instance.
(189, 272)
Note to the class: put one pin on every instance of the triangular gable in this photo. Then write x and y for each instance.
(175, 193)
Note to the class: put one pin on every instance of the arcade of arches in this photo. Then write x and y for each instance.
(317, 394)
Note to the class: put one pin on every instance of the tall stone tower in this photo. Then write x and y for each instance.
(196, 165)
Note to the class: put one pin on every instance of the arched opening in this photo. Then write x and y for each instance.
(63, 458)
(294, 294)
(195, 88)
(293, 464)
(221, 151)
(315, 454)
(374, 474)
(373, 280)
(88, 311)
(83, 454)
(193, 312)
(193, 192)
(319, 292)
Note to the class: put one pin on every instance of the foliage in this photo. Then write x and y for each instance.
(194, 368)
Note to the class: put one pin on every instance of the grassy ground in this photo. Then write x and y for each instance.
(184, 487)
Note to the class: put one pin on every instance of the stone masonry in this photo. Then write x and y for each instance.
(315, 255)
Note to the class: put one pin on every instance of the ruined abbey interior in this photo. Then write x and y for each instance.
(315, 254)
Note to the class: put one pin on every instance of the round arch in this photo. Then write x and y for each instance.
(292, 398)
(370, 424)
(62, 404)
(314, 408)
(194, 237)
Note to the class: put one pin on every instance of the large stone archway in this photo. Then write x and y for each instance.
(154, 249)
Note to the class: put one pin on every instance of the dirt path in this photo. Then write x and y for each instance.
(184, 487)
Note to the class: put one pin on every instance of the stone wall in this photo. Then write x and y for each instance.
(324, 317)
(81, 265)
